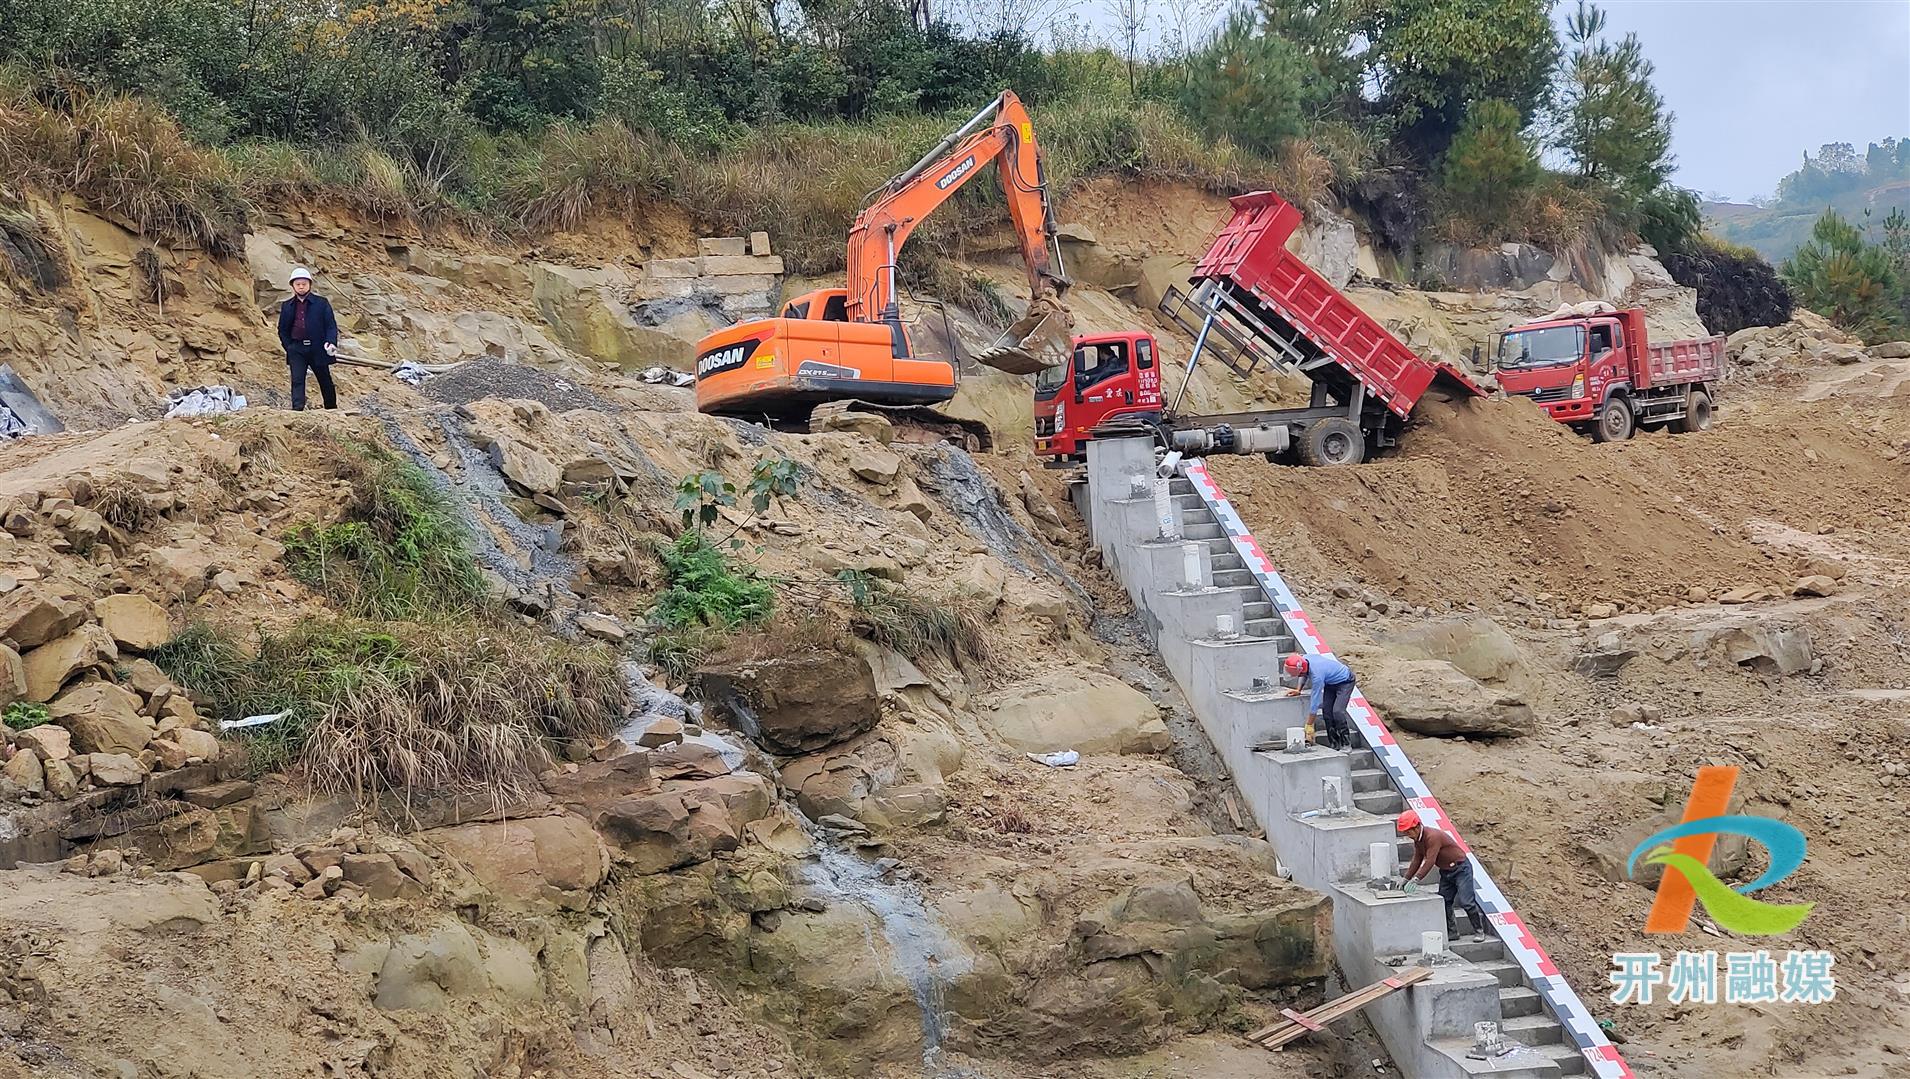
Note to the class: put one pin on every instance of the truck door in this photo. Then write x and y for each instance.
(1606, 352)
(1147, 380)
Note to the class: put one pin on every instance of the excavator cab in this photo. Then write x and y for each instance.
(850, 343)
(781, 368)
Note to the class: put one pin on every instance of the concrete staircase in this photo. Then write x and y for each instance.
(1222, 638)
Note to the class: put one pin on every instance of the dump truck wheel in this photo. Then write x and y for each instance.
(1335, 441)
(1697, 414)
(1616, 421)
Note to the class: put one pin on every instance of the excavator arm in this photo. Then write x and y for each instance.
(1002, 134)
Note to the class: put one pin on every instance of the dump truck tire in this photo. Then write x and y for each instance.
(1616, 421)
(1697, 415)
(1329, 442)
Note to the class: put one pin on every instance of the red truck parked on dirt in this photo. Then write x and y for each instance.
(1254, 305)
(1593, 367)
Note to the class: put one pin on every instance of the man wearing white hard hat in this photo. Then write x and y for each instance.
(309, 332)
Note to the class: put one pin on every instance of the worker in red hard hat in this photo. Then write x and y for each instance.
(1433, 848)
(1331, 684)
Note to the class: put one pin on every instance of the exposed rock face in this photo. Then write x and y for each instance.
(134, 622)
(1084, 710)
(684, 823)
(796, 704)
(1476, 645)
(103, 718)
(1768, 647)
(32, 616)
(1435, 697)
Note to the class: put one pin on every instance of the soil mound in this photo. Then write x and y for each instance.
(1489, 500)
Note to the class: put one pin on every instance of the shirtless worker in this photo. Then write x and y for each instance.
(1434, 848)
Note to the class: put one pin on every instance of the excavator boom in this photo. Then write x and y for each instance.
(1002, 134)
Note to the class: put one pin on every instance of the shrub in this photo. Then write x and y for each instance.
(705, 590)
(401, 552)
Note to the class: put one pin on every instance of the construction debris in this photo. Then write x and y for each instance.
(204, 401)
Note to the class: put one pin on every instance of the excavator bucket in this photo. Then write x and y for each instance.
(1038, 340)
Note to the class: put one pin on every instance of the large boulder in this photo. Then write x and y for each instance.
(134, 622)
(1084, 710)
(551, 861)
(102, 718)
(1767, 647)
(54, 663)
(1432, 696)
(526, 466)
(798, 703)
(1475, 644)
(32, 616)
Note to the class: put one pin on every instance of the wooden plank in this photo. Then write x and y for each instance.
(1301, 1019)
(1298, 1024)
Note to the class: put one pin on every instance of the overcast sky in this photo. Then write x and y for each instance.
(1755, 83)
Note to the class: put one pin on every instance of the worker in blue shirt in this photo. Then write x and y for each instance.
(1331, 683)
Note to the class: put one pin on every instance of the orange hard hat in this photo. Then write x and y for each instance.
(1295, 664)
(1407, 822)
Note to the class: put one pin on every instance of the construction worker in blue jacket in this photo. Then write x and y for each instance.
(1331, 684)
(309, 332)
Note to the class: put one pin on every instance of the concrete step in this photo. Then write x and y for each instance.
(1261, 608)
(1534, 1029)
(1371, 779)
(1216, 547)
(1505, 970)
(1516, 1001)
(1200, 530)
(1235, 578)
(1364, 758)
(1567, 1056)
(1264, 627)
(1484, 951)
(1189, 501)
(1227, 560)
(1181, 485)
(1530, 1065)
(1382, 803)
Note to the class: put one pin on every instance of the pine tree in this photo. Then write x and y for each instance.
(1611, 120)
(1490, 162)
(1847, 280)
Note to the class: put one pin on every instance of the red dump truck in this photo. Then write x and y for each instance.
(1595, 368)
(1252, 305)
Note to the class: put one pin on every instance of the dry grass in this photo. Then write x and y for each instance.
(127, 158)
(1554, 214)
(469, 711)
(456, 708)
(123, 506)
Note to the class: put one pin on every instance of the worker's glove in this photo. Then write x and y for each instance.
(331, 349)
(1409, 887)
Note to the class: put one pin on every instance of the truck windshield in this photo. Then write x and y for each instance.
(1050, 379)
(1542, 348)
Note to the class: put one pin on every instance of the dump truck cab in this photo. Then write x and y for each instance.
(1599, 372)
(1108, 376)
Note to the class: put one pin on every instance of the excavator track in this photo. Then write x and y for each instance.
(913, 423)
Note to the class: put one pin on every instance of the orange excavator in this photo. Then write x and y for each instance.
(850, 344)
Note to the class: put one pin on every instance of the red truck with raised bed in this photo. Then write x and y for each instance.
(1594, 367)
(1253, 305)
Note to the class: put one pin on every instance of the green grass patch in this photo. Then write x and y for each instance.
(401, 552)
(456, 707)
(25, 715)
(704, 589)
